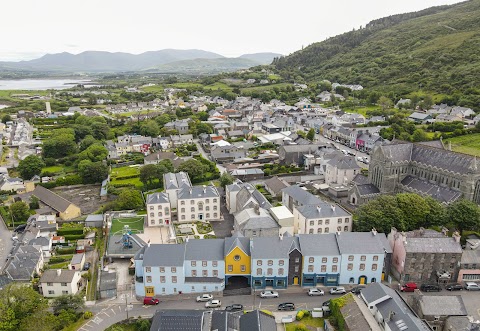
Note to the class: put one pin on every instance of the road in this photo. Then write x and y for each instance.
(6, 243)
(206, 156)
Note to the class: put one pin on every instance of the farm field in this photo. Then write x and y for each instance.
(468, 144)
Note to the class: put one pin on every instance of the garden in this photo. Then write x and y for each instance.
(304, 322)
(126, 176)
(197, 230)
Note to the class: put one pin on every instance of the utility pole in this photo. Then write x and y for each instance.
(126, 304)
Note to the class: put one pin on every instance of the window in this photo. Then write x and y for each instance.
(215, 273)
(51, 292)
(182, 202)
(269, 271)
(339, 221)
(174, 290)
(200, 206)
(174, 270)
(280, 271)
(310, 231)
(334, 268)
(339, 228)
(64, 284)
(320, 222)
(215, 215)
(192, 216)
(350, 266)
(375, 258)
(152, 214)
(214, 200)
(148, 269)
(174, 279)
(194, 273)
(323, 268)
(207, 208)
(163, 289)
(347, 220)
(162, 269)
(152, 222)
(327, 222)
(243, 268)
(208, 215)
(49, 284)
(312, 223)
(319, 230)
(183, 217)
(374, 267)
(362, 266)
(214, 263)
(259, 271)
(64, 292)
(259, 262)
(296, 268)
(310, 268)
(324, 260)
(167, 211)
(214, 207)
(207, 200)
(237, 257)
(345, 228)
(162, 279)
(230, 268)
(182, 210)
(280, 262)
(152, 207)
(327, 230)
(192, 202)
(204, 263)
(193, 263)
(363, 258)
(192, 209)
(160, 213)
(149, 279)
(205, 273)
(335, 260)
(350, 258)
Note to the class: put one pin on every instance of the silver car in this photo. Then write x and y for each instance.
(213, 304)
(269, 294)
(204, 297)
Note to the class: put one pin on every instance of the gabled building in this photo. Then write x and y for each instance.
(58, 282)
(173, 183)
(294, 196)
(321, 218)
(198, 203)
(341, 170)
(158, 209)
(64, 208)
(237, 258)
(255, 222)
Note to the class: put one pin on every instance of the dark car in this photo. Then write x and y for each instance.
(357, 289)
(430, 288)
(234, 307)
(286, 306)
(150, 301)
(86, 266)
(454, 287)
(326, 303)
(20, 228)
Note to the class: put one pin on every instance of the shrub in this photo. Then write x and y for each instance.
(87, 315)
(306, 313)
(74, 237)
(300, 315)
(69, 250)
(66, 232)
(300, 327)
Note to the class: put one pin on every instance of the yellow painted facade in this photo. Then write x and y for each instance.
(71, 213)
(237, 262)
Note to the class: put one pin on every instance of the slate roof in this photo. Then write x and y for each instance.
(237, 240)
(204, 249)
(249, 219)
(318, 244)
(40, 241)
(51, 276)
(367, 189)
(440, 193)
(156, 198)
(302, 196)
(108, 281)
(23, 264)
(365, 242)
(51, 199)
(176, 180)
(451, 305)
(94, 218)
(257, 321)
(470, 256)
(344, 162)
(160, 156)
(353, 316)
(275, 184)
(360, 179)
(77, 258)
(196, 192)
(272, 247)
(164, 255)
(433, 245)
(322, 210)
(185, 320)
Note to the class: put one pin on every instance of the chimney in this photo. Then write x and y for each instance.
(390, 315)
(456, 236)
(333, 208)
(374, 231)
(148, 244)
(280, 236)
(59, 272)
(445, 231)
(257, 209)
(319, 209)
(204, 189)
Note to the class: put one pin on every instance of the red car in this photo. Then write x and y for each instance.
(150, 301)
(409, 287)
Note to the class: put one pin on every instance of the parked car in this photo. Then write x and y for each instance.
(408, 287)
(234, 307)
(430, 288)
(86, 266)
(471, 286)
(454, 287)
(20, 228)
(338, 290)
(286, 306)
(315, 291)
(204, 297)
(269, 294)
(213, 304)
(150, 301)
(357, 289)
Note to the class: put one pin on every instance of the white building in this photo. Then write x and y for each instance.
(58, 282)
(198, 203)
(321, 218)
(158, 209)
(173, 183)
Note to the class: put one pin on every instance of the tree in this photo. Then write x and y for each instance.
(419, 135)
(150, 128)
(30, 166)
(381, 213)
(92, 172)
(87, 142)
(94, 153)
(19, 211)
(415, 207)
(129, 199)
(311, 134)
(34, 202)
(68, 302)
(226, 179)
(385, 102)
(149, 173)
(60, 144)
(6, 118)
(193, 168)
(464, 214)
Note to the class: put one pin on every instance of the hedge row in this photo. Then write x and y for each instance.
(74, 237)
(58, 259)
(69, 250)
(64, 181)
(66, 232)
(125, 177)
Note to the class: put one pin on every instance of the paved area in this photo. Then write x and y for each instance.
(156, 235)
(223, 228)
(6, 243)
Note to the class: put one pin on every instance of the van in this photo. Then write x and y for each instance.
(150, 301)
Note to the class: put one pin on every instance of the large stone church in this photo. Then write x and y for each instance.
(423, 168)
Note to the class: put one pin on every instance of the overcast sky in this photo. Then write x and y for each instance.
(31, 28)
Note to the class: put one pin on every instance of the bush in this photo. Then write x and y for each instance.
(306, 313)
(69, 250)
(300, 327)
(66, 232)
(58, 259)
(300, 315)
(87, 315)
(74, 237)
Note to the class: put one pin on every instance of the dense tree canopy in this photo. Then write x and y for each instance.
(129, 199)
(20, 211)
(92, 172)
(30, 166)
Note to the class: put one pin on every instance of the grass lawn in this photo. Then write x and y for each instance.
(133, 181)
(468, 144)
(125, 171)
(312, 323)
(121, 176)
(218, 86)
(135, 223)
(361, 110)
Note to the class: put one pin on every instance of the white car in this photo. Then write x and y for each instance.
(471, 286)
(269, 294)
(204, 297)
(315, 291)
(338, 290)
(213, 304)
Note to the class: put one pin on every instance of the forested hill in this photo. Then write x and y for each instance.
(436, 49)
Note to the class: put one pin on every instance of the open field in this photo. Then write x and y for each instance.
(468, 144)
(135, 224)
(362, 110)
(125, 176)
(265, 88)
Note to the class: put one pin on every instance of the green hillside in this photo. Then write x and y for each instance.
(436, 49)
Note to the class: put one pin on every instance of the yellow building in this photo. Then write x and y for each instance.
(64, 208)
(237, 259)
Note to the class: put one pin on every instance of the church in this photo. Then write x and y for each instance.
(424, 168)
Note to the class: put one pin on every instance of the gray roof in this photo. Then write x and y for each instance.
(160, 156)
(94, 218)
(185, 320)
(318, 244)
(51, 199)
(250, 219)
(471, 256)
(272, 247)
(275, 184)
(198, 192)
(257, 321)
(344, 162)
(367, 189)
(353, 316)
(419, 116)
(204, 249)
(40, 241)
(77, 258)
(451, 305)
(360, 179)
(433, 245)
(440, 193)
(164, 255)
(23, 264)
(237, 240)
(176, 180)
(302, 196)
(158, 197)
(362, 242)
(108, 281)
(51, 276)
(323, 210)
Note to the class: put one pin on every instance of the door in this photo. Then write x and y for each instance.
(362, 280)
(295, 280)
(149, 291)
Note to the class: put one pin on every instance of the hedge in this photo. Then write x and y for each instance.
(125, 177)
(58, 259)
(74, 237)
(66, 232)
(300, 315)
(69, 250)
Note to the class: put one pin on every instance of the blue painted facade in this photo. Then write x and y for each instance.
(324, 279)
(275, 282)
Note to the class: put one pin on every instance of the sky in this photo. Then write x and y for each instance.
(32, 28)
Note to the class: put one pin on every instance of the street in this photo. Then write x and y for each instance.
(6, 243)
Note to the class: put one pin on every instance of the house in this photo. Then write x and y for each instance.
(361, 191)
(94, 221)
(275, 185)
(158, 209)
(27, 261)
(257, 320)
(221, 154)
(77, 262)
(461, 323)
(173, 183)
(269, 128)
(64, 208)
(198, 203)
(179, 140)
(45, 244)
(108, 285)
(469, 270)
(436, 309)
(284, 218)
(247, 174)
(58, 282)
(255, 222)
(425, 256)
(237, 257)
(156, 157)
(390, 310)
(462, 112)
(357, 316)
(419, 117)
(293, 154)
(321, 218)
(249, 197)
(341, 170)
(295, 196)
(11, 184)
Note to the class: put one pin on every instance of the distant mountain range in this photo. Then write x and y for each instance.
(169, 60)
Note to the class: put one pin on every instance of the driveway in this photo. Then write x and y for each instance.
(223, 228)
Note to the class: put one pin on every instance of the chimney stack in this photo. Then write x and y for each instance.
(374, 231)
(333, 208)
(456, 236)
(280, 235)
(319, 209)
(59, 272)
